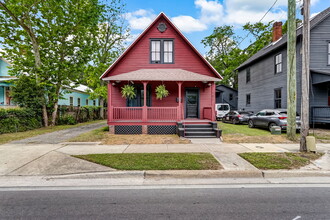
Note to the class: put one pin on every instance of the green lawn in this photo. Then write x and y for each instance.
(274, 161)
(241, 129)
(5, 138)
(155, 161)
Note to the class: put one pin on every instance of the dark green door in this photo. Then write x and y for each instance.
(192, 103)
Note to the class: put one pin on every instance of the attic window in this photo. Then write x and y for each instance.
(161, 27)
(161, 51)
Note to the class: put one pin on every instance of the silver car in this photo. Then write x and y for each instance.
(268, 118)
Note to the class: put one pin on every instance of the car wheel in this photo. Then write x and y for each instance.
(235, 121)
(271, 125)
(251, 124)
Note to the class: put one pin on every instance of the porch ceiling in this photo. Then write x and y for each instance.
(320, 76)
(161, 75)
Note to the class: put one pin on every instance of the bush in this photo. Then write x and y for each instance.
(20, 119)
(67, 120)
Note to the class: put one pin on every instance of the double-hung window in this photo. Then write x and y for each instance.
(248, 75)
(248, 99)
(278, 63)
(161, 51)
(278, 98)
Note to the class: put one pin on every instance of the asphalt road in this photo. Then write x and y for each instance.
(201, 203)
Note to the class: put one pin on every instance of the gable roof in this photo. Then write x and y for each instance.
(161, 15)
(283, 40)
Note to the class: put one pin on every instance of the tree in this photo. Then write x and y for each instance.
(108, 44)
(225, 54)
(50, 41)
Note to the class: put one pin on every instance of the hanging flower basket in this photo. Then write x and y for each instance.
(161, 92)
(128, 92)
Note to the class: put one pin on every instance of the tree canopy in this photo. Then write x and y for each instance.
(225, 53)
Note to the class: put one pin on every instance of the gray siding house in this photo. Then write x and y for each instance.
(262, 79)
(226, 94)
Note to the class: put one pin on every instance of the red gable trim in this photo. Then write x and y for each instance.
(146, 30)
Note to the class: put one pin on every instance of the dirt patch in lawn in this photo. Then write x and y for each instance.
(102, 135)
(274, 161)
(155, 161)
(239, 138)
(321, 135)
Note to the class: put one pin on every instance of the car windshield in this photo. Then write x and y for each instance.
(223, 107)
(285, 113)
(244, 113)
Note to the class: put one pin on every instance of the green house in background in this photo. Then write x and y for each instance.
(77, 97)
(5, 99)
(73, 97)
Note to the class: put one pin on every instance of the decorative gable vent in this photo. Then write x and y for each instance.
(161, 27)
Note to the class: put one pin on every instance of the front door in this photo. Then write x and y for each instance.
(192, 103)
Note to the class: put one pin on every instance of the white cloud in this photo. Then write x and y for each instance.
(140, 19)
(188, 24)
(211, 11)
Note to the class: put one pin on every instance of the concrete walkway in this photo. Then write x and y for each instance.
(55, 159)
(60, 136)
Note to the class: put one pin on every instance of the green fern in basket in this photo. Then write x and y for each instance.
(161, 92)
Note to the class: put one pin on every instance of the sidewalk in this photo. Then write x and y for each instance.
(55, 160)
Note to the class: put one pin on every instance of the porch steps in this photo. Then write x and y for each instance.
(198, 130)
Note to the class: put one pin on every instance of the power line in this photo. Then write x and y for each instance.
(258, 22)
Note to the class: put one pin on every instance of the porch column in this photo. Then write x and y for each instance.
(179, 107)
(144, 110)
(110, 107)
(213, 100)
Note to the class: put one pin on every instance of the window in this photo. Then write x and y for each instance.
(278, 63)
(328, 53)
(78, 101)
(94, 102)
(248, 75)
(71, 101)
(231, 96)
(139, 98)
(86, 101)
(278, 98)
(248, 99)
(161, 51)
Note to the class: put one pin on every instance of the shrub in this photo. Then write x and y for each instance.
(67, 120)
(20, 119)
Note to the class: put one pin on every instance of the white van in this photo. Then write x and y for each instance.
(221, 109)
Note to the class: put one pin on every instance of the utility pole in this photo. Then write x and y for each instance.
(291, 71)
(304, 130)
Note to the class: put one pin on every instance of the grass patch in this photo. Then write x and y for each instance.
(243, 134)
(155, 161)
(8, 137)
(322, 135)
(274, 161)
(102, 135)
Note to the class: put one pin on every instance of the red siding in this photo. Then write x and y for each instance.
(139, 56)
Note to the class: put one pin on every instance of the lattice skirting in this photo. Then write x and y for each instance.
(162, 129)
(128, 129)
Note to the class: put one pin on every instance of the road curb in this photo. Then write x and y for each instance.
(202, 174)
(294, 173)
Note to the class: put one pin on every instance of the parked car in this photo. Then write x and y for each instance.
(268, 118)
(221, 109)
(237, 117)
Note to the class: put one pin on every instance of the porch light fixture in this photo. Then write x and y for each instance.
(209, 84)
(205, 82)
(118, 81)
(113, 84)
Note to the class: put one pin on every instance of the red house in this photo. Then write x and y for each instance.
(161, 55)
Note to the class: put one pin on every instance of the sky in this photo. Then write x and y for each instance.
(197, 18)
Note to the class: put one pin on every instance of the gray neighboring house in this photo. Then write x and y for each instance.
(226, 94)
(262, 79)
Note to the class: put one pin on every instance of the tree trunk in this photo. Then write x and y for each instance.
(101, 108)
(45, 115)
(55, 109)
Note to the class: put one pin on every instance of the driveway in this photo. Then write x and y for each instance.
(59, 136)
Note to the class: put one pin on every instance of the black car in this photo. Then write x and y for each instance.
(237, 117)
